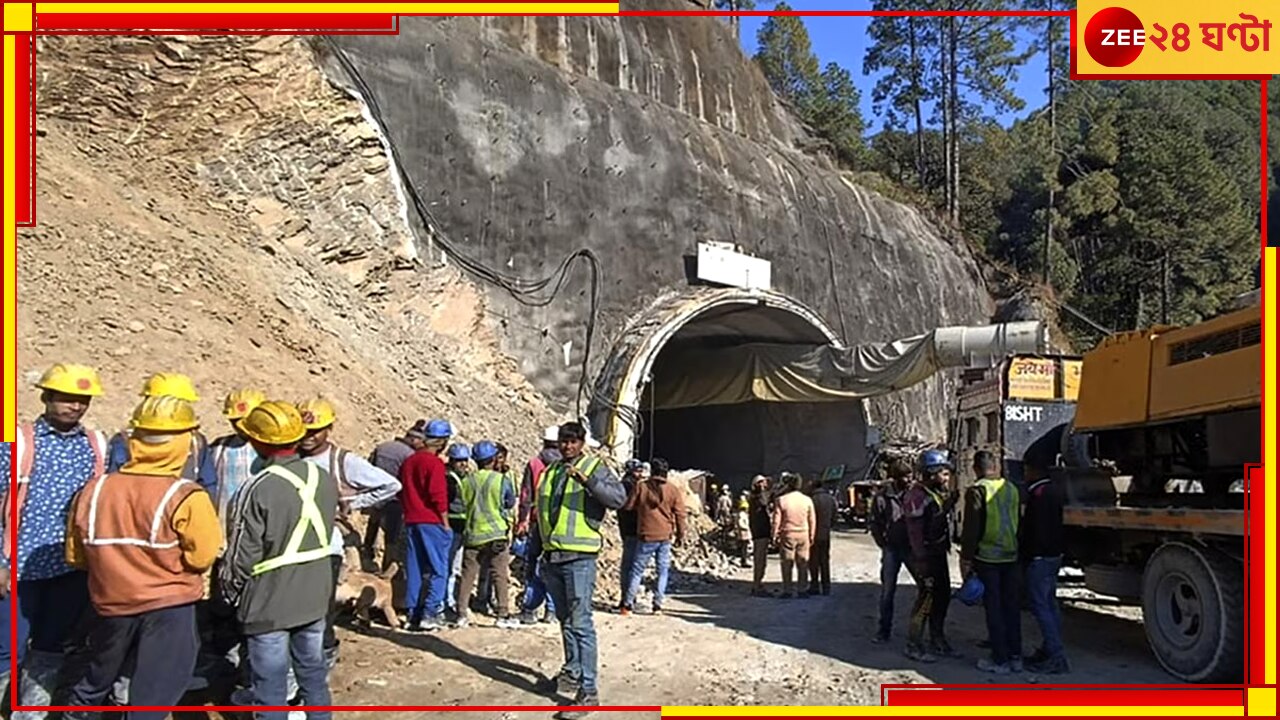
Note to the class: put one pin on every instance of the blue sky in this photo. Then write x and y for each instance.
(843, 40)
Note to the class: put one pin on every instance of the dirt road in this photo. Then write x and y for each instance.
(716, 645)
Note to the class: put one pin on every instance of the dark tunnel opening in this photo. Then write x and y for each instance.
(737, 440)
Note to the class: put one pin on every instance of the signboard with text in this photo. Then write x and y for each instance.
(1033, 378)
(1175, 38)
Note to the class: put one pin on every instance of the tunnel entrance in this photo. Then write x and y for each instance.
(678, 374)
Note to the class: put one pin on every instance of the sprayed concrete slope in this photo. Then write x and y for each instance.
(532, 137)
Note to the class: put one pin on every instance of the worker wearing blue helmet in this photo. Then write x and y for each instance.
(927, 507)
(459, 459)
(488, 498)
(424, 495)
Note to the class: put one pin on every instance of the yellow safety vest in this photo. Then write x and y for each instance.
(457, 510)
(310, 519)
(562, 519)
(999, 542)
(481, 492)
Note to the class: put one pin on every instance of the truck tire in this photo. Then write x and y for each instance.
(1193, 612)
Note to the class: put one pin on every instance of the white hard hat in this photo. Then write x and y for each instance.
(551, 434)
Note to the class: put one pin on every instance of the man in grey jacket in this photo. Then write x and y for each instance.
(570, 506)
(276, 570)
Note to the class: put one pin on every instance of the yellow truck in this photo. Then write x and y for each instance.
(1149, 433)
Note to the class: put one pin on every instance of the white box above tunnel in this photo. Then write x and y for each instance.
(722, 264)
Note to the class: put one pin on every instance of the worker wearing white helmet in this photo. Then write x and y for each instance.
(535, 592)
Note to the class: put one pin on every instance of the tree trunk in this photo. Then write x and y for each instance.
(954, 69)
(1053, 148)
(735, 22)
(916, 92)
(945, 77)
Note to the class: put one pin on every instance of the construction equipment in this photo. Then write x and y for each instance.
(1149, 433)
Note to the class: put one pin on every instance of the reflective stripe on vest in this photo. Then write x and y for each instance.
(562, 518)
(999, 543)
(157, 518)
(310, 519)
(486, 520)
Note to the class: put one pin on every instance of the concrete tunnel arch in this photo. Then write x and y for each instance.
(700, 314)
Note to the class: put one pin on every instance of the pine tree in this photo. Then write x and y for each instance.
(836, 114)
(898, 48)
(826, 100)
(786, 57)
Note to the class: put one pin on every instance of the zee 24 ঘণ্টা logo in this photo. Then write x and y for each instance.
(1115, 37)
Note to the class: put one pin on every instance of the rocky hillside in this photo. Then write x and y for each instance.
(529, 139)
(218, 206)
(213, 206)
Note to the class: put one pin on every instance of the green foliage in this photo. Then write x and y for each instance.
(1141, 197)
(786, 57)
(826, 99)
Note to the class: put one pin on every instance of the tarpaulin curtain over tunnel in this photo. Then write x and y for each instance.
(739, 382)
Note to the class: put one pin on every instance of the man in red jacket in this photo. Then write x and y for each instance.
(424, 494)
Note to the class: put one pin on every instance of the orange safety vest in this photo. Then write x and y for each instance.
(125, 523)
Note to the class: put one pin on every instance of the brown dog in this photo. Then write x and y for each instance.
(367, 590)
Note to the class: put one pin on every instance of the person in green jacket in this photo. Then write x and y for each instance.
(989, 547)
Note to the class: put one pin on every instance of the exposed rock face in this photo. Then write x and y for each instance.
(530, 138)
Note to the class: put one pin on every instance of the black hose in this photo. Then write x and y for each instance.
(525, 291)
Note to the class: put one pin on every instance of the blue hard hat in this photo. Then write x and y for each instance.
(970, 593)
(484, 450)
(935, 458)
(458, 451)
(439, 429)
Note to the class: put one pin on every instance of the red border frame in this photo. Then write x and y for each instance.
(381, 24)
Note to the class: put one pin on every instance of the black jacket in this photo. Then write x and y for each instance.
(888, 520)
(1041, 526)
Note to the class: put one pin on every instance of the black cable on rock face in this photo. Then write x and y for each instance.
(529, 292)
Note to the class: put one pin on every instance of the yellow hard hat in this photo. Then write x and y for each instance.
(164, 413)
(173, 384)
(240, 402)
(71, 379)
(317, 413)
(273, 423)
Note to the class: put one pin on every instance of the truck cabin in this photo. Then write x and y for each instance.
(1019, 410)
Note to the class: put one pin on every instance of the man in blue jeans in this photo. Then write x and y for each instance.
(571, 502)
(424, 495)
(660, 513)
(276, 570)
(989, 547)
(1042, 545)
(889, 529)
(633, 473)
(535, 590)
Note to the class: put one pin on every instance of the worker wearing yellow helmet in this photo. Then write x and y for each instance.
(145, 583)
(199, 463)
(276, 571)
(234, 459)
(360, 485)
(56, 456)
